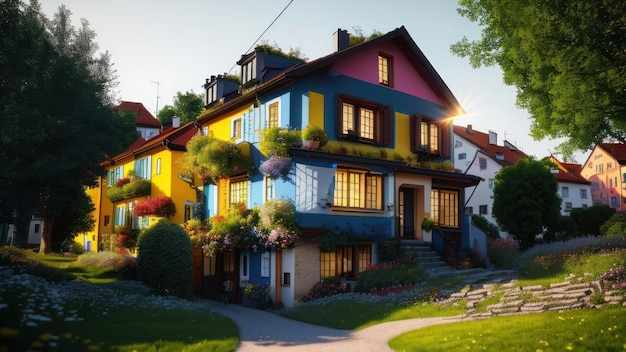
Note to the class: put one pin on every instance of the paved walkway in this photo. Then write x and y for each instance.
(263, 331)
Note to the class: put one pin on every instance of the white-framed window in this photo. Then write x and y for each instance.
(491, 180)
(565, 192)
(211, 94)
(158, 167)
(120, 216)
(583, 194)
(115, 175)
(248, 71)
(236, 128)
(205, 131)
(568, 206)
(358, 189)
(143, 167)
(482, 163)
(265, 264)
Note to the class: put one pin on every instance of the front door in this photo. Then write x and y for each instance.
(407, 212)
(217, 269)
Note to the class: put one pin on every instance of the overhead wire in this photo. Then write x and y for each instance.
(262, 34)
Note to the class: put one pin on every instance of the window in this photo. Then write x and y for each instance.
(360, 120)
(483, 209)
(614, 202)
(120, 216)
(142, 167)
(37, 228)
(385, 70)
(265, 264)
(272, 115)
(238, 192)
(429, 136)
(358, 189)
(462, 156)
(500, 156)
(158, 167)
(491, 183)
(583, 194)
(229, 262)
(482, 163)
(444, 207)
(469, 210)
(188, 212)
(345, 261)
(210, 267)
(269, 188)
(107, 220)
(115, 175)
(211, 94)
(286, 279)
(568, 206)
(248, 71)
(565, 192)
(236, 128)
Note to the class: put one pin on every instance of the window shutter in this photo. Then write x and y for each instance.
(444, 142)
(387, 125)
(339, 117)
(414, 132)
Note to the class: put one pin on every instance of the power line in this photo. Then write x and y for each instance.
(266, 29)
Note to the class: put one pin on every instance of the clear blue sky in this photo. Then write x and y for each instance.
(180, 43)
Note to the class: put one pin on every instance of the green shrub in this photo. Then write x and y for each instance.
(77, 248)
(615, 226)
(388, 249)
(256, 295)
(389, 275)
(124, 266)
(164, 259)
(278, 140)
(482, 223)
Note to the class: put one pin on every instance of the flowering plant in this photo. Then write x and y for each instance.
(326, 288)
(256, 295)
(161, 206)
(198, 232)
(280, 238)
(276, 167)
(615, 278)
(122, 181)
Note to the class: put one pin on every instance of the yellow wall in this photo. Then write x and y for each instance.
(221, 128)
(316, 110)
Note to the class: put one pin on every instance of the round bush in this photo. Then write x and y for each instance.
(164, 260)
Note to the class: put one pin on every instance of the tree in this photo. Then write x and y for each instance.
(590, 220)
(58, 119)
(187, 106)
(566, 59)
(526, 200)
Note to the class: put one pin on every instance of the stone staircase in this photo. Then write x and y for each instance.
(434, 265)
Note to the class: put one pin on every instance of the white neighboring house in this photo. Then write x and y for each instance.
(574, 189)
(477, 153)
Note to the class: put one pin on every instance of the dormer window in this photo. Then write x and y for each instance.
(211, 94)
(385, 69)
(248, 71)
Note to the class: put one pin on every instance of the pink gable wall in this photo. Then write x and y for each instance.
(405, 79)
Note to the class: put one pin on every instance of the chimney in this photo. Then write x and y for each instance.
(493, 138)
(341, 39)
(469, 129)
(175, 121)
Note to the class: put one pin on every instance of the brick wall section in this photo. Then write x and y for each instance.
(307, 267)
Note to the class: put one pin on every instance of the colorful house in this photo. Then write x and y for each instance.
(148, 168)
(381, 103)
(605, 168)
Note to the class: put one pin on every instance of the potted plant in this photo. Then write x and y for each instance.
(427, 224)
(314, 137)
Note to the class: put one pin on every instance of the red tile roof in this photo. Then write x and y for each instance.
(617, 151)
(510, 154)
(144, 117)
(569, 172)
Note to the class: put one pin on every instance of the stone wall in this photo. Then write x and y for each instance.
(571, 293)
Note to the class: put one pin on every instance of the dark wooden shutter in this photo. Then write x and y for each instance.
(339, 117)
(444, 139)
(387, 125)
(414, 131)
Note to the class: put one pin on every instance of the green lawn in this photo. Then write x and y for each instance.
(99, 313)
(573, 330)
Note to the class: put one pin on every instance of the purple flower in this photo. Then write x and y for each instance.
(275, 167)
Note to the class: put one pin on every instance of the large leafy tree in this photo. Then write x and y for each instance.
(526, 200)
(187, 106)
(567, 59)
(58, 121)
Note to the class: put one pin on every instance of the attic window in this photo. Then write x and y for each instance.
(385, 69)
(248, 71)
(499, 156)
(211, 94)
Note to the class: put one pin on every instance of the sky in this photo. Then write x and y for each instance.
(181, 43)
